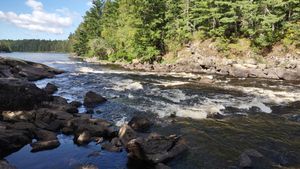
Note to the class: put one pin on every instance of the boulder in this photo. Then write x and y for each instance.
(44, 145)
(82, 138)
(12, 140)
(67, 130)
(126, 134)
(50, 88)
(257, 73)
(116, 142)
(24, 126)
(239, 70)
(14, 68)
(76, 104)
(44, 115)
(140, 123)
(252, 159)
(83, 115)
(4, 125)
(61, 104)
(110, 147)
(95, 127)
(55, 125)
(156, 148)
(215, 115)
(291, 75)
(18, 94)
(206, 80)
(17, 116)
(92, 99)
(44, 135)
(46, 140)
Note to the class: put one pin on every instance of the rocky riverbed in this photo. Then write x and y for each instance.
(30, 115)
(215, 121)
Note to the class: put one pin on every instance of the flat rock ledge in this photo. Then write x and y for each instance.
(14, 68)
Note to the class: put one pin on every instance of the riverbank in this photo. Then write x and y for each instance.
(204, 57)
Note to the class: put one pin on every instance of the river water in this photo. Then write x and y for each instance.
(259, 114)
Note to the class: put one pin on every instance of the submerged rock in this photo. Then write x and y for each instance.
(51, 88)
(251, 159)
(92, 99)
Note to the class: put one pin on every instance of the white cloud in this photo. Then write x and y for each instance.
(39, 20)
(34, 5)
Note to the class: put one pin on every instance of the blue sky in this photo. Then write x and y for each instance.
(40, 19)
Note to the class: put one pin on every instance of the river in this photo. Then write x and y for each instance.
(258, 114)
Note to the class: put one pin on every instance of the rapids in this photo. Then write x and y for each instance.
(247, 104)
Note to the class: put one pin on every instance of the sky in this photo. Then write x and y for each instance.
(40, 19)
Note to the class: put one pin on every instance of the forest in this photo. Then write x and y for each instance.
(144, 29)
(33, 45)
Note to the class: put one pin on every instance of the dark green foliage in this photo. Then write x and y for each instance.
(144, 29)
(34, 45)
(4, 47)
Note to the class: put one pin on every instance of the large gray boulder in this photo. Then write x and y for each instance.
(92, 99)
(155, 148)
(16, 94)
(13, 68)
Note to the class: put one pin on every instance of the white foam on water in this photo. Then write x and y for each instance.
(63, 62)
(255, 103)
(89, 70)
(172, 83)
(130, 96)
(126, 84)
(175, 95)
(196, 111)
(269, 96)
(162, 74)
(121, 122)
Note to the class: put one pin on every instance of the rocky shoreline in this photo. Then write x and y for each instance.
(201, 57)
(30, 115)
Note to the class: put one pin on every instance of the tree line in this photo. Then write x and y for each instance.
(34, 45)
(144, 29)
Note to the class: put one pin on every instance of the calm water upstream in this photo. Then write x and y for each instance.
(260, 114)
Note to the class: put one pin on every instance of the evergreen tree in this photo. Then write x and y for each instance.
(144, 29)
